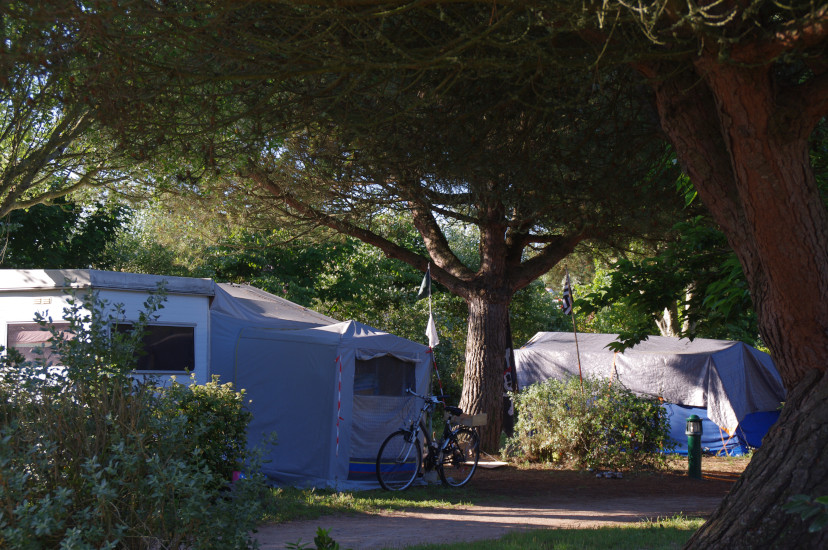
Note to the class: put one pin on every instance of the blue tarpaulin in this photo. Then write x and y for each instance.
(714, 440)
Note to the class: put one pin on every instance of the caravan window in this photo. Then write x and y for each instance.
(167, 348)
(386, 375)
(32, 341)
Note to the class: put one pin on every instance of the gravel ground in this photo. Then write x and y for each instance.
(516, 499)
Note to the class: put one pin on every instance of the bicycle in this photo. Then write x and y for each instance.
(455, 456)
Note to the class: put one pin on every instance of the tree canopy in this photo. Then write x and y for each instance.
(536, 163)
(50, 146)
(738, 88)
(65, 234)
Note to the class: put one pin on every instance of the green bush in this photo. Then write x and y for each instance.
(216, 422)
(598, 426)
(90, 458)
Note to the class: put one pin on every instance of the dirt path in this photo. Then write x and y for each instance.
(524, 499)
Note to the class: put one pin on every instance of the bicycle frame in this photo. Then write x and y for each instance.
(434, 449)
(401, 458)
(417, 425)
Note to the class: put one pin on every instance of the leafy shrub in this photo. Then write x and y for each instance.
(216, 422)
(599, 426)
(90, 458)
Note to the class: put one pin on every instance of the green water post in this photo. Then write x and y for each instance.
(694, 433)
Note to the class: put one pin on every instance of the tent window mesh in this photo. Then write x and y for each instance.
(166, 348)
(32, 340)
(384, 375)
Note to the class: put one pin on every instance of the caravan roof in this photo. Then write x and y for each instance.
(47, 279)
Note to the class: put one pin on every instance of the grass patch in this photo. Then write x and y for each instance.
(286, 504)
(666, 533)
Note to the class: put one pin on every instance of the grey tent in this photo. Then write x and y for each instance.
(726, 380)
(235, 308)
(331, 392)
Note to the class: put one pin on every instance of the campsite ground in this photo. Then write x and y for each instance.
(511, 498)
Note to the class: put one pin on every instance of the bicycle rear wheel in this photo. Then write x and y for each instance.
(398, 461)
(460, 458)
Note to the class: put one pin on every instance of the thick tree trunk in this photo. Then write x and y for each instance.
(752, 171)
(790, 462)
(486, 346)
(748, 159)
(784, 215)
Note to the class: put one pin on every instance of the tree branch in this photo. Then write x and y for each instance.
(549, 256)
(811, 32)
(437, 244)
(391, 249)
(86, 180)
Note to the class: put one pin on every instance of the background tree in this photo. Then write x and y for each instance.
(691, 285)
(693, 288)
(64, 234)
(337, 275)
(531, 188)
(49, 146)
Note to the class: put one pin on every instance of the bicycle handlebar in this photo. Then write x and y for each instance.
(431, 398)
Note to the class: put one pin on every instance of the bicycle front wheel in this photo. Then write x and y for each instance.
(398, 461)
(460, 458)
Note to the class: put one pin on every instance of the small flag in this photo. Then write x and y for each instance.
(431, 332)
(566, 304)
(425, 286)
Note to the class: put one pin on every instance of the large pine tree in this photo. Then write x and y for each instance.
(318, 116)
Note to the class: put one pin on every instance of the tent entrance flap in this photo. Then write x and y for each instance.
(375, 418)
(380, 407)
(383, 375)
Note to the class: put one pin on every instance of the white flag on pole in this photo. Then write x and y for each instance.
(431, 332)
